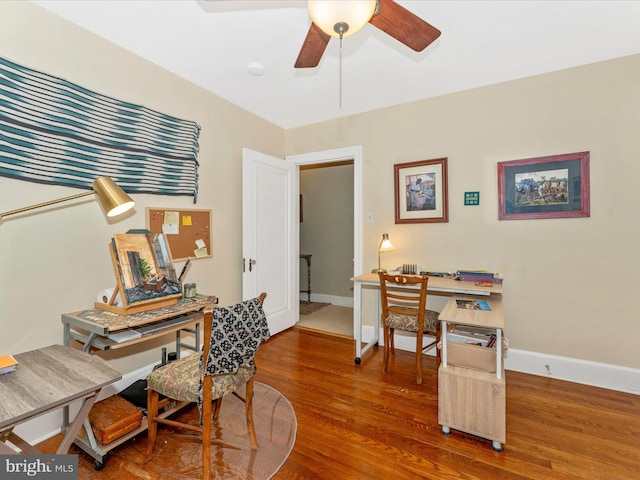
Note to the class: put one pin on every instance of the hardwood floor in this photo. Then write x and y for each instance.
(356, 423)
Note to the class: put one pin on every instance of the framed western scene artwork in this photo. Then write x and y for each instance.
(421, 191)
(556, 186)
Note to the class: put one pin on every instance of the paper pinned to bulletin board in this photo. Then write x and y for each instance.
(188, 231)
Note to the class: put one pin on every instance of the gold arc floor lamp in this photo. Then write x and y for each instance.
(111, 197)
(385, 246)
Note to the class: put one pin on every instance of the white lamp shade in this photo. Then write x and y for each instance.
(327, 13)
(385, 244)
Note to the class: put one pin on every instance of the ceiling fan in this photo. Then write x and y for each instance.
(343, 18)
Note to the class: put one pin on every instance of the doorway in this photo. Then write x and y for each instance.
(330, 184)
(326, 247)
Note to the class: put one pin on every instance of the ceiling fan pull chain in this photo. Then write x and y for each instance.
(341, 71)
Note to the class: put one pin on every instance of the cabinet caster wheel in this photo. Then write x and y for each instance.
(99, 465)
(357, 360)
(497, 446)
(446, 430)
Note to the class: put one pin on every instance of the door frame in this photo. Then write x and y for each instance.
(329, 156)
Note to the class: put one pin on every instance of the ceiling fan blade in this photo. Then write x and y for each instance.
(404, 26)
(312, 48)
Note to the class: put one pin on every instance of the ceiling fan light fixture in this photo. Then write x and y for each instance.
(341, 18)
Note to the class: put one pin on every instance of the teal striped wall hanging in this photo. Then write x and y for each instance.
(53, 131)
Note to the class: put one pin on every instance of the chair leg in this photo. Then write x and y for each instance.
(392, 341)
(152, 429)
(419, 337)
(206, 427)
(385, 364)
(217, 403)
(438, 337)
(248, 402)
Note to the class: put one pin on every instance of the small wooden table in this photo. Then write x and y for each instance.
(47, 379)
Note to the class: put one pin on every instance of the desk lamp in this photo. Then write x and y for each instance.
(111, 197)
(385, 246)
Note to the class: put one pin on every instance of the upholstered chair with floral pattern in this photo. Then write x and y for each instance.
(232, 336)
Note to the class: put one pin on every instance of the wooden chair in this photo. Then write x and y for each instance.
(404, 300)
(232, 336)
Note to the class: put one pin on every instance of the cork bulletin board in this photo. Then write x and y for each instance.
(188, 231)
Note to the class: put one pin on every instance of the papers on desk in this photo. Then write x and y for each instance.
(124, 336)
(7, 364)
(473, 304)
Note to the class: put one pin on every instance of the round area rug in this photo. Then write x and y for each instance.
(232, 457)
(177, 455)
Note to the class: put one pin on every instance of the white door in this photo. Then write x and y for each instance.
(269, 236)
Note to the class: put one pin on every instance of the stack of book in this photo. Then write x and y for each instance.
(470, 335)
(479, 276)
(7, 364)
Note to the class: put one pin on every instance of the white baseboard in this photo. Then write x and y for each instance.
(612, 377)
(333, 300)
(585, 372)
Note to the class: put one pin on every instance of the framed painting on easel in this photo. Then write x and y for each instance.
(145, 274)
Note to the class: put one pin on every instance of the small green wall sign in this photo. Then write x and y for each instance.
(472, 198)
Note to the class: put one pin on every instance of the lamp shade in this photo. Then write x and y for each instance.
(384, 247)
(332, 15)
(385, 244)
(111, 197)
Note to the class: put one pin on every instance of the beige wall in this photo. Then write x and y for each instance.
(327, 230)
(57, 261)
(568, 281)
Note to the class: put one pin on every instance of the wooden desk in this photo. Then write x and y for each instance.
(47, 379)
(437, 285)
(92, 328)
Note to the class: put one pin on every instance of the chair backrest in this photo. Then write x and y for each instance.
(403, 294)
(234, 335)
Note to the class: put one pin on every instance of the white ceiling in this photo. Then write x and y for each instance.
(212, 42)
